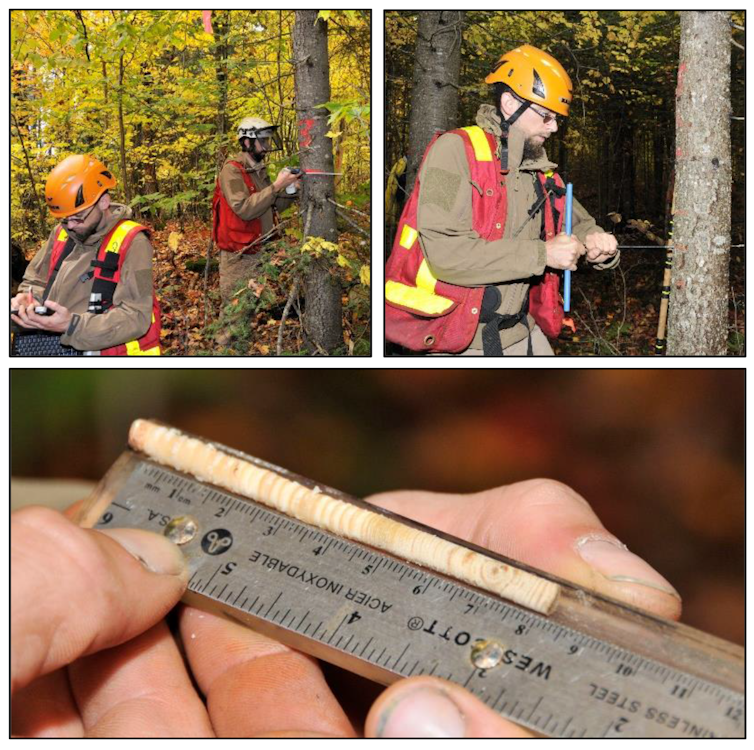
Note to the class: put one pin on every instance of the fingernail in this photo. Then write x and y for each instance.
(613, 560)
(154, 552)
(422, 712)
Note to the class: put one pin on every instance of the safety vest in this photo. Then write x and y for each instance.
(229, 231)
(425, 314)
(107, 270)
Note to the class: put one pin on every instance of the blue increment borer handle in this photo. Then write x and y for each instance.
(567, 274)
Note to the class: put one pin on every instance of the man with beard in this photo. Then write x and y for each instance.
(246, 202)
(482, 228)
(89, 291)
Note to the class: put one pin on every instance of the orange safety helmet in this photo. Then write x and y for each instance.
(535, 76)
(75, 184)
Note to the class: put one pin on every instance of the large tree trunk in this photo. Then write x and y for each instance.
(322, 316)
(701, 225)
(434, 99)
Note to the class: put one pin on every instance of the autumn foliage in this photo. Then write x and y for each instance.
(156, 96)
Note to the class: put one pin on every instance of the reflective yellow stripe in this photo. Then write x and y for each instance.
(424, 278)
(133, 350)
(408, 236)
(119, 235)
(479, 142)
(416, 299)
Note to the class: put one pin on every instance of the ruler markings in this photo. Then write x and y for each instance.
(239, 595)
(217, 569)
(530, 657)
(273, 603)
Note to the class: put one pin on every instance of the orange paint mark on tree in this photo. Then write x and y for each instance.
(304, 138)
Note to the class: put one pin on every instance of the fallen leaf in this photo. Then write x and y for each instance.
(173, 240)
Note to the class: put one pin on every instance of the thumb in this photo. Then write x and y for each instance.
(76, 591)
(52, 305)
(431, 707)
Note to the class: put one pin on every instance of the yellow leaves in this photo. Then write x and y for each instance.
(342, 261)
(174, 239)
(332, 134)
(318, 245)
(365, 275)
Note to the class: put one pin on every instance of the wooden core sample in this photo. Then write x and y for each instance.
(208, 462)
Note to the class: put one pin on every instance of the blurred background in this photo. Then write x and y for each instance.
(659, 454)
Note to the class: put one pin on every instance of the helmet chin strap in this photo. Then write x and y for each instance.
(505, 125)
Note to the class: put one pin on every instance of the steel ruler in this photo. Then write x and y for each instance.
(593, 668)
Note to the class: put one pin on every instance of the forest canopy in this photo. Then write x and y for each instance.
(156, 96)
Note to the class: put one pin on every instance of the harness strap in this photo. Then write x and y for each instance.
(67, 250)
(495, 322)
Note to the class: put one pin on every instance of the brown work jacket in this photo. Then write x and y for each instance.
(131, 314)
(456, 254)
(258, 205)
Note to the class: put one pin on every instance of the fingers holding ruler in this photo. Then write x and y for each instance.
(387, 598)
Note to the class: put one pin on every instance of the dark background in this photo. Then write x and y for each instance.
(659, 454)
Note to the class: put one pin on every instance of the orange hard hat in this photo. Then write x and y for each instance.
(75, 184)
(535, 76)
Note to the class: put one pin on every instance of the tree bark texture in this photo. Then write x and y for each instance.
(437, 67)
(322, 316)
(701, 223)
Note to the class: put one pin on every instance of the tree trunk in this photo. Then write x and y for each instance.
(701, 225)
(220, 52)
(434, 99)
(322, 316)
(122, 133)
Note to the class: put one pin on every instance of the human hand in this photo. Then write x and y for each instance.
(58, 322)
(285, 177)
(90, 652)
(600, 247)
(19, 305)
(21, 299)
(255, 686)
(563, 251)
(544, 524)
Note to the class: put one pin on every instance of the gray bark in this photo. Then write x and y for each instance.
(322, 316)
(437, 67)
(701, 222)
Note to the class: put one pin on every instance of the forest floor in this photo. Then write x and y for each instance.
(195, 322)
(616, 312)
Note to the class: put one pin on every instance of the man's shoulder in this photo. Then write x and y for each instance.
(450, 143)
(233, 163)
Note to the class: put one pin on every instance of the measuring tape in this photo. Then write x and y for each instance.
(591, 668)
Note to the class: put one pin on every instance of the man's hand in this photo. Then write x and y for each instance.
(85, 622)
(600, 247)
(284, 179)
(563, 252)
(58, 322)
(87, 611)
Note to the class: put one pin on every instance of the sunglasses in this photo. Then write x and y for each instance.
(78, 218)
(547, 117)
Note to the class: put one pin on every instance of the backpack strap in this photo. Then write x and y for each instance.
(110, 259)
(67, 250)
